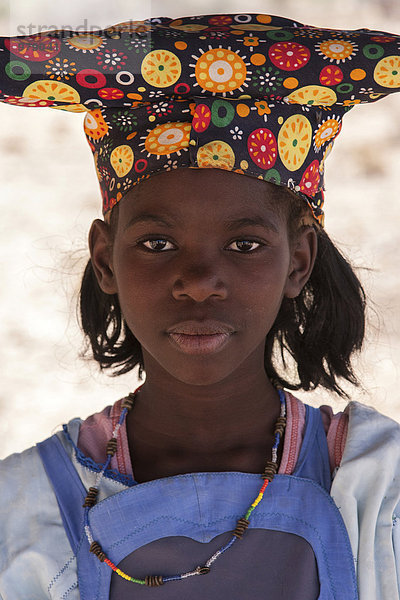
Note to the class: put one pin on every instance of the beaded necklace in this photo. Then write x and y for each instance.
(241, 526)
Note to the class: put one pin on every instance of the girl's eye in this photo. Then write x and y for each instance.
(157, 245)
(244, 246)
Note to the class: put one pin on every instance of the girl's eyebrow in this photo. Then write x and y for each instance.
(255, 220)
(148, 218)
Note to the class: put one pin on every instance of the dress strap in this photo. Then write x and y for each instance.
(68, 488)
(313, 461)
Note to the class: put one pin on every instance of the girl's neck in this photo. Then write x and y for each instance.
(192, 428)
(223, 403)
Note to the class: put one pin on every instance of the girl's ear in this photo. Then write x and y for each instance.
(100, 246)
(303, 254)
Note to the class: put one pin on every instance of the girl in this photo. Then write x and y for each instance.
(224, 289)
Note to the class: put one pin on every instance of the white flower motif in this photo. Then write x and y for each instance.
(156, 93)
(364, 90)
(162, 107)
(171, 164)
(127, 184)
(112, 58)
(236, 133)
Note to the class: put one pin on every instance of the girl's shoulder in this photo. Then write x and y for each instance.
(366, 490)
(31, 525)
(371, 436)
(31, 529)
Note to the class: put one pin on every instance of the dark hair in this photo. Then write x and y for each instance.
(320, 330)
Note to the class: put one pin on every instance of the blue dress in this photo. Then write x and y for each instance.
(296, 547)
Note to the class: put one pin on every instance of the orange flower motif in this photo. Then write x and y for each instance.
(192, 107)
(263, 108)
(250, 40)
(351, 102)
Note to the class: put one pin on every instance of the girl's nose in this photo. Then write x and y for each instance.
(199, 282)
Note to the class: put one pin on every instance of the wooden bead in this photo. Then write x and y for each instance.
(97, 550)
(280, 425)
(91, 497)
(111, 446)
(153, 580)
(128, 401)
(241, 527)
(270, 470)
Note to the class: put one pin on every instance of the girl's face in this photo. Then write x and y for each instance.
(201, 261)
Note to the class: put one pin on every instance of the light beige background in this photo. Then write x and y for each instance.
(49, 196)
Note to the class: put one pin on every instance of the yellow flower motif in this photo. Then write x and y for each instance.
(161, 68)
(263, 108)
(121, 160)
(250, 40)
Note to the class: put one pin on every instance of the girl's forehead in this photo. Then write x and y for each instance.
(213, 190)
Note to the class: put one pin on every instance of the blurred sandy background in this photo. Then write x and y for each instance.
(49, 196)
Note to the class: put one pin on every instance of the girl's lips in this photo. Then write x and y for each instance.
(199, 343)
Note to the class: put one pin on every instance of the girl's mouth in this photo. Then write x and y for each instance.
(199, 343)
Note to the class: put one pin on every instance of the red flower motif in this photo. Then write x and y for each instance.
(34, 48)
(289, 56)
(385, 39)
(201, 118)
(220, 20)
(111, 94)
(310, 180)
(18, 101)
(331, 75)
(262, 148)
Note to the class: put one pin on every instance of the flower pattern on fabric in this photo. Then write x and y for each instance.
(250, 41)
(236, 132)
(262, 148)
(60, 69)
(111, 59)
(161, 68)
(139, 44)
(216, 155)
(328, 130)
(34, 48)
(51, 90)
(201, 118)
(337, 50)
(220, 71)
(310, 180)
(294, 141)
(266, 79)
(86, 43)
(255, 94)
(289, 56)
(124, 120)
(121, 160)
(95, 125)
(331, 75)
(387, 72)
(316, 95)
(167, 139)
